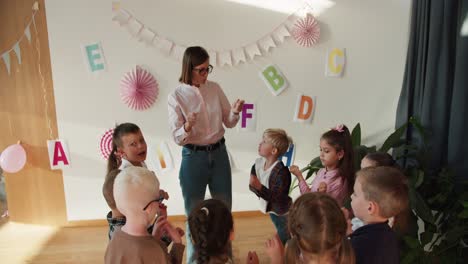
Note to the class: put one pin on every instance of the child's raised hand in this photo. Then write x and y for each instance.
(252, 258)
(294, 169)
(159, 227)
(275, 249)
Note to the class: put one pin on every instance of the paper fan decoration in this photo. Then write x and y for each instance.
(306, 31)
(105, 144)
(139, 89)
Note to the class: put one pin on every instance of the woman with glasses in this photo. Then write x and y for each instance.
(198, 109)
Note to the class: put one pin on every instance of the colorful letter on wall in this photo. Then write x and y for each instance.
(248, 118)
(335, 63)
(274, 79)
(94, 57)
(59, 156)
(305, 108)
(288, 157)
(159, 157)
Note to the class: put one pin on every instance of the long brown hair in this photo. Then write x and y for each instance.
(210, 224)
(340, 140)
(120, 130)
(193, 56)
(317, 226)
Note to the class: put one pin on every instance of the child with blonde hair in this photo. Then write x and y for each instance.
(270, 180)
(137, 196)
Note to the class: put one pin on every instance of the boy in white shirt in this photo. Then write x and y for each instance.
(270, 180)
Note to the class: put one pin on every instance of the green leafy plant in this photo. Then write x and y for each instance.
(440, 203)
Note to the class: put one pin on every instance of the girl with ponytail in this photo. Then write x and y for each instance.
(337, 157)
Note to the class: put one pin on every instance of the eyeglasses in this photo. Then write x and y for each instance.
(202, 71)
(160, 199)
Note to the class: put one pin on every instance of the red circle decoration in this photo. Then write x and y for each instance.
(139, 89)
(105, 144)
(306, 31)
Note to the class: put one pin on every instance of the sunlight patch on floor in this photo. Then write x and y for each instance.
(21, 242)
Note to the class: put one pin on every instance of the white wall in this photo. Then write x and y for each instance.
(374, 33)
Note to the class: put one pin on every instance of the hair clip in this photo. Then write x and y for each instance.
(339, 128)
(204, 209)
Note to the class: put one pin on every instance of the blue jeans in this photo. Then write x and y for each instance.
(281, 224)
(198, 170)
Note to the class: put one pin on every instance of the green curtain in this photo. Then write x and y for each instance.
(435, 85)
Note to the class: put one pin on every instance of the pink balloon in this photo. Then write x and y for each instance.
(13, 158)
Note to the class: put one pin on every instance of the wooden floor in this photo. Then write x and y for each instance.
(21, 243)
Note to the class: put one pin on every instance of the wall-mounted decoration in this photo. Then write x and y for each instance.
(248, 117)
(221, 57)
(139, 89)
(105, 143)
(93, 57)
(305, 108)
(59, 156)
(13, 158)
(306, 31)
(336, 60)
(15, 48)
(273, 79)
(159, 157)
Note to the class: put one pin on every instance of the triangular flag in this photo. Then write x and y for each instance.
(27, 32)
(281, 33)
(266, 43)
(122, 17)
(163, 44)
(238, 56)
(252, 50)
(225, 58)
(17, 50)
(134, 27)
(146, 35)
(6, 59)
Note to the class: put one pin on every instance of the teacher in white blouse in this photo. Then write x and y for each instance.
(198, 109)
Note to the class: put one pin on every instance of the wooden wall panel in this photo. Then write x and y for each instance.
(27, 113)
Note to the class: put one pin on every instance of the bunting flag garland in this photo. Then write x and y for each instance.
(232, 57)
(15, 48)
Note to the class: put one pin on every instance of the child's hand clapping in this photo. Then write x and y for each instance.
(254, 182)
(274, 249)
(252, 258)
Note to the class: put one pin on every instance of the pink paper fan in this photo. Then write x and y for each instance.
(139, 89)
(306, 31)
(105, 144)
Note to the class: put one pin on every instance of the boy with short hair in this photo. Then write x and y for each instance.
(270, 180)
(379, 193)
